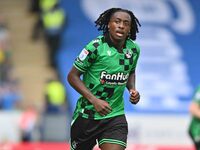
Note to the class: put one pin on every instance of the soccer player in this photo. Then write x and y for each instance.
(108, 65)
(194, 128)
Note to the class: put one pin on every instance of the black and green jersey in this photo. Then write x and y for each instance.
(195, 123)
(105, 73)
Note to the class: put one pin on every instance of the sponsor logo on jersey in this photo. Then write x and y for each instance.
(83, 54)
(118, 78)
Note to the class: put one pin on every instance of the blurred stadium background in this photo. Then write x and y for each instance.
(167, 73)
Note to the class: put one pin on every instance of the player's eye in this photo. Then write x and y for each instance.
(126, 23)
(117, 21)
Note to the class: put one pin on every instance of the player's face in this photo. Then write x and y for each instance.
(119, 26)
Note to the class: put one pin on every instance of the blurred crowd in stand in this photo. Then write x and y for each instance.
(51, 21)
(50, 24)
(10, 95)
(41, 125)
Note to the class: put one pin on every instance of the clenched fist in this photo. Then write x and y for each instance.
(134, 96)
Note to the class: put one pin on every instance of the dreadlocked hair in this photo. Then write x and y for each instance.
(104, 19)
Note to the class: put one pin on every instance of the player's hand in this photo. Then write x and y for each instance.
(102, 107)
(134, 96)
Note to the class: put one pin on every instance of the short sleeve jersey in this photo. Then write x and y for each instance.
(105, 74)
(195, 123)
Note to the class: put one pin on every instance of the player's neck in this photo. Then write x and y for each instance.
(118, 44)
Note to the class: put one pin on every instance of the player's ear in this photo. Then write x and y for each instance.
(108, 25)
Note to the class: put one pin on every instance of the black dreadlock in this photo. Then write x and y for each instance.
(104, 19)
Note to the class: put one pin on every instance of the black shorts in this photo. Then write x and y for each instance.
(86, 132)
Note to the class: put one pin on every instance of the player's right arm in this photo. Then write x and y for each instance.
(101, 106)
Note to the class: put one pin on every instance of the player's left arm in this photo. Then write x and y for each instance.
(134, 94)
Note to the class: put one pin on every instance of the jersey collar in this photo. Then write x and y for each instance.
(109, 41)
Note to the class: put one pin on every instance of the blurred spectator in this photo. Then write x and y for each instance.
(51, 24)
(5, 53)
(28, 123)
(9, 91)
(194, 128)
(4, 34)
(55, 97)
(10, 96)
(33, 7)
(37, 6)
(5, 66)
(46, 5)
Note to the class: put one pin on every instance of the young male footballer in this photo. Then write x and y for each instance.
(107, 65)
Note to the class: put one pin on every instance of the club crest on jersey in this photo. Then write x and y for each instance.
(117, 78)
(128, 54)
(83, 54)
